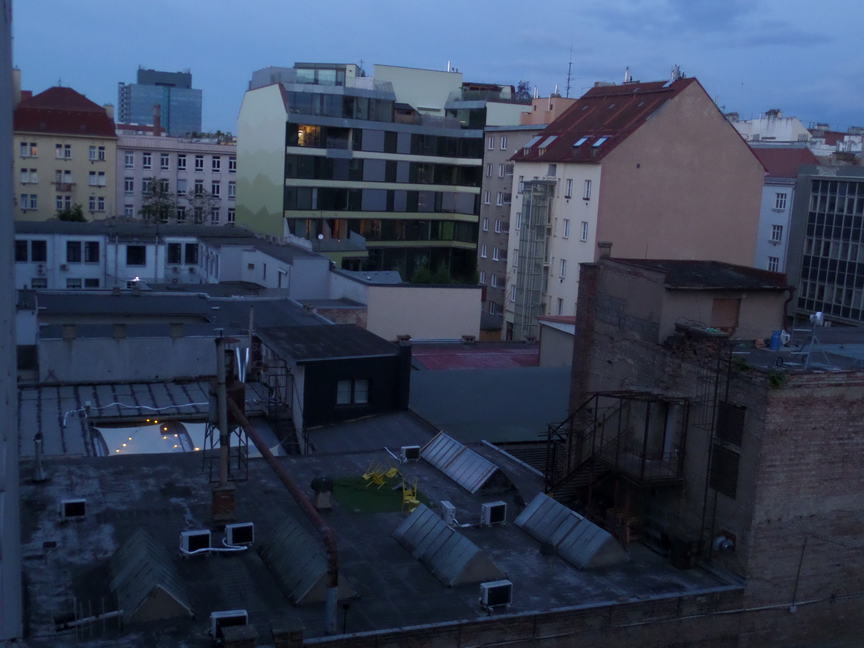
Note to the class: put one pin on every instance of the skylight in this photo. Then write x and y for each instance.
(533, 141)
(580, 142)
(599, 142)
(548, 141)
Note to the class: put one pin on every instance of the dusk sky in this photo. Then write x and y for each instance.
(750, 55)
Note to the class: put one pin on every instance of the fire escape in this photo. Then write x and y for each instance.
(532, 266)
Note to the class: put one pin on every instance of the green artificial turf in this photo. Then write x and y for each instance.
(354, 494)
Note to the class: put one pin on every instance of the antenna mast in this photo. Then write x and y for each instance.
(569, 71)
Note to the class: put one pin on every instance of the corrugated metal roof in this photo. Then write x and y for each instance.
(141, 570)
(451, 557)
(461, 464)
(577, 540)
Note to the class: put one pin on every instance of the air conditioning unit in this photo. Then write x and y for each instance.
(73, 509)
(410, 453)
(225, 618)
(242, 533)
(192, 541)
(494, 594)
(448, 512)
(493, 514)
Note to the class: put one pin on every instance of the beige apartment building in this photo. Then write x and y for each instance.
(64, 151)
(652, 168)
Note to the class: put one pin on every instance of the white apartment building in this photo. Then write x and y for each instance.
(200, 175)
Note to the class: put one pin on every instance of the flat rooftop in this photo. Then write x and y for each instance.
(482, 355)
(166, 494)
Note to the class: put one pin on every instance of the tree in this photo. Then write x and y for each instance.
(523, 92)
(201, 202)
(73, 213)
(159, 203)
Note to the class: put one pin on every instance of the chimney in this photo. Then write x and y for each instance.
(605, 249)
(109, 110)
(157, 120)
(16, 85)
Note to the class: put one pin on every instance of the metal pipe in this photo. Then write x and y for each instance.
(39, 473)
(222, 409)
(327, 534)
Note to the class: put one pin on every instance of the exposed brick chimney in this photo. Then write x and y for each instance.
(157, 120)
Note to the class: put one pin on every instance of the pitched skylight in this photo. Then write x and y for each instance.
(548, 141)
(599, 142)
(533, 141)
(580, 142)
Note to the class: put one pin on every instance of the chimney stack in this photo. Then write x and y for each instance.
(109, 110)
(16, 85)
(157, 120)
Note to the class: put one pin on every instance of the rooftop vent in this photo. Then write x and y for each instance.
(496, 594)
(193, 542)
(225, 618)
(73, 509)
(410, 453)
(242, 533)
(493, 514)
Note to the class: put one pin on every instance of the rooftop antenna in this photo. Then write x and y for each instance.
(627, 76)
(536, 92)
(676, 72)
(569, 70)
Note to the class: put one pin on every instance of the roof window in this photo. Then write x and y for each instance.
(580, 142)
(599, 142)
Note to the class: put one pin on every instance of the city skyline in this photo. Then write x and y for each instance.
(724, 47)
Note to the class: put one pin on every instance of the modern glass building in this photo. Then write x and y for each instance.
(378, 172)
(179, 102)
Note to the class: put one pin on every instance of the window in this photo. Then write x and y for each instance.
(91, 252)
(495, 254)
(181, 186)
(508, 168)
(63, 201)
(174, 252)
(91, 203)
(776, 233)
(129, 160)
(352, 392)
(199, 162)
(199, 188)
(490, 143)
(232, 189)
(482, 273)
(552, 170)
(96, 179)
(181, 214)
(29, 201)
(586, 190)
(560, 306)
(494, 278)
(497, 225)
(216, 164)
(773, 264)
(129, 211)
(146, 185)
(231, 215)
(493, 308)
(21, 251)
(500, 169)
(563, 269)
(63, 151)
(147, 160)
(507, 197)
(38, 282)
(724, 314)
(486, 197)
(38, 251)
(503, 142)
(499, 199)
(583, 233)
(568, 191)
(128, 185)
(73, 283)
(488, 169)
(483, 254)
(512, 293)
(214, 216)
(136, 255)
(779, 201)
(216, 188)
(566, 226)
(485, 224)
(198, 215)
(164, 161)
(232, 164)
(181, 161)
(73, 251)
(29, 176)
(518, 219)
(92, 154)
(29, 149)
(100, 203)
(91, 283)
(724, 470)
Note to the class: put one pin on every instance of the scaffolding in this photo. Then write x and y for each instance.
(532, 267)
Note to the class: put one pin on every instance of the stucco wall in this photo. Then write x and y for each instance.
(556, 347)
(760, 312)
(682, 186)
(423, 312)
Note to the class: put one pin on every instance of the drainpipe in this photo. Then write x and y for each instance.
(327, 535)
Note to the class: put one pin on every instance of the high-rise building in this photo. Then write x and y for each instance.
(379, 172)
(179, 103)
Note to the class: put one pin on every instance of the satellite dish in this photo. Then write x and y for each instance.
(817, 319)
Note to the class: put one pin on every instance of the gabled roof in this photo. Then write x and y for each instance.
(62, 110)
(601, 119)
(784, 161)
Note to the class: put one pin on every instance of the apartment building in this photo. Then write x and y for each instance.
(826, 245)
(179, 103)
(626, 164)
(177, 179)
(782, 164)
(387, 167)
(65, 155)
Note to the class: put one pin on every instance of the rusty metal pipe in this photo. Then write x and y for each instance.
(327, 535)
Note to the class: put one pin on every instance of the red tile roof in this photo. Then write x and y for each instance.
(62, 110)
(599, 120)
(559, 319)
(784, 161)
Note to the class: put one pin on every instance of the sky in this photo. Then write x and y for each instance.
(750, 55)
